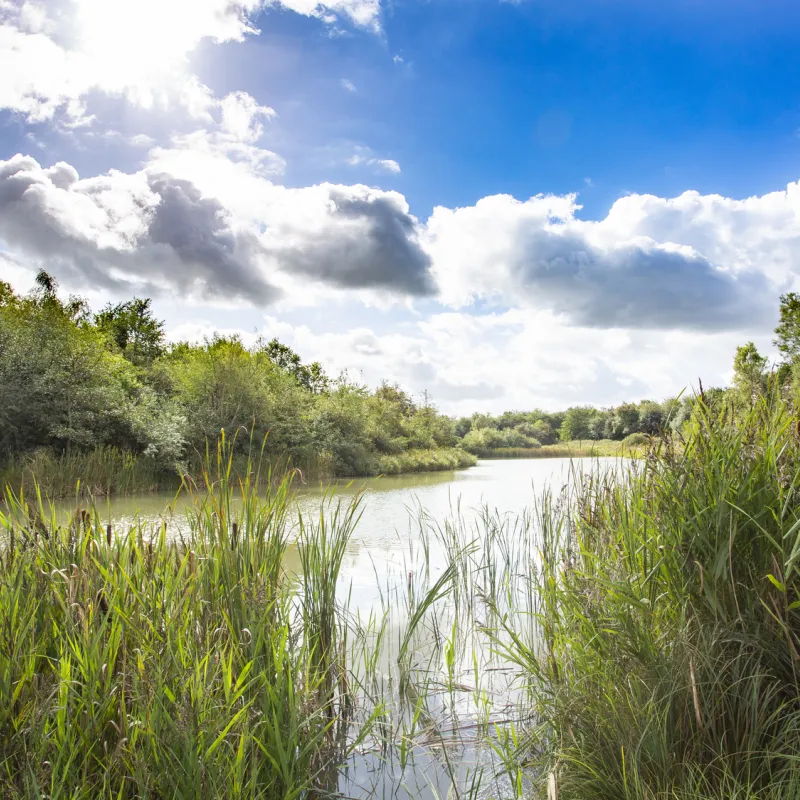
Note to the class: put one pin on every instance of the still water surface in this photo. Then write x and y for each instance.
(390, 508)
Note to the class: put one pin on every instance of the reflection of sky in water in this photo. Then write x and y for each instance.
(383, 543)
(387, 554)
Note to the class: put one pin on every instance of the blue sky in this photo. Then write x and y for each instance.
(356, 177)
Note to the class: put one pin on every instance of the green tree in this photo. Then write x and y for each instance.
(59, 385)
(310, 376)
(576, 424)
(133, 329)
(749, 373)
(651, 417)
(787, 334)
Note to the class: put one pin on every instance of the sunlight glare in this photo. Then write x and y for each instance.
(144, 45)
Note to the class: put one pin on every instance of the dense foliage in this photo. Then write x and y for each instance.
(73, 382)
(532, 429)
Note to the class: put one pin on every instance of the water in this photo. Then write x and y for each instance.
(399, 548)
(384, 539)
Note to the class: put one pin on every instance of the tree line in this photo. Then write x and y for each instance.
(635, 423)
(72, 381)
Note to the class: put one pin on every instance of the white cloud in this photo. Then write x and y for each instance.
(55, 56)
(348, 85)
(690, 262)
(363, 13)
(363, 156)
(118, 47)
(389, 164)
(160, 229)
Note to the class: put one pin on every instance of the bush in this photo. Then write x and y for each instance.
(636, 440)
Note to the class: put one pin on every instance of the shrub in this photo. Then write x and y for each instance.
(635, 439)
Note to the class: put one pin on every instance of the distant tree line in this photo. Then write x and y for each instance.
(636, 422)
(532, 429)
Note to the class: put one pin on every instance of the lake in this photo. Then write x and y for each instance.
(389, 526)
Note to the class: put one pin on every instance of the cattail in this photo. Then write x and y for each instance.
(108, 534)
(552, 786)
(235, 533)
(695, 695)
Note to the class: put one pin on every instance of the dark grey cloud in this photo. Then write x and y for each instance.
(369, 242)
(637, 286)
(196, 230)
(152, 230)
(122, 232)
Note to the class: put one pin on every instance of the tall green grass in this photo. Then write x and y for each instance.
(135, 665)
(102, 471)
(445, 458)
(666, 655)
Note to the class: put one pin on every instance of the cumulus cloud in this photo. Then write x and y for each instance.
(154, 231)
(127, 231)
(366, 240)
(627, 270)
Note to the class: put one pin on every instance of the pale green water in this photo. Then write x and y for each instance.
(391, 506)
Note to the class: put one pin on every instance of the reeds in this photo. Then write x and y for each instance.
(133, 664)
(94, 473)
(666, 664)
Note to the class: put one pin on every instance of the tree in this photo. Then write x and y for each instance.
(310, 376)
(59, 384)
(132, 327)
(749, 368)
(576, 423)
(46, 286)
(787, 334)
(651, 417)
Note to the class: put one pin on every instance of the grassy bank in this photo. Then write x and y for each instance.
(109, 471)
(446, 458)
(585, 448)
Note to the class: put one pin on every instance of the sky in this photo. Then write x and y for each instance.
(505, 205)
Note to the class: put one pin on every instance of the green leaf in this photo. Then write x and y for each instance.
(776, 583)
